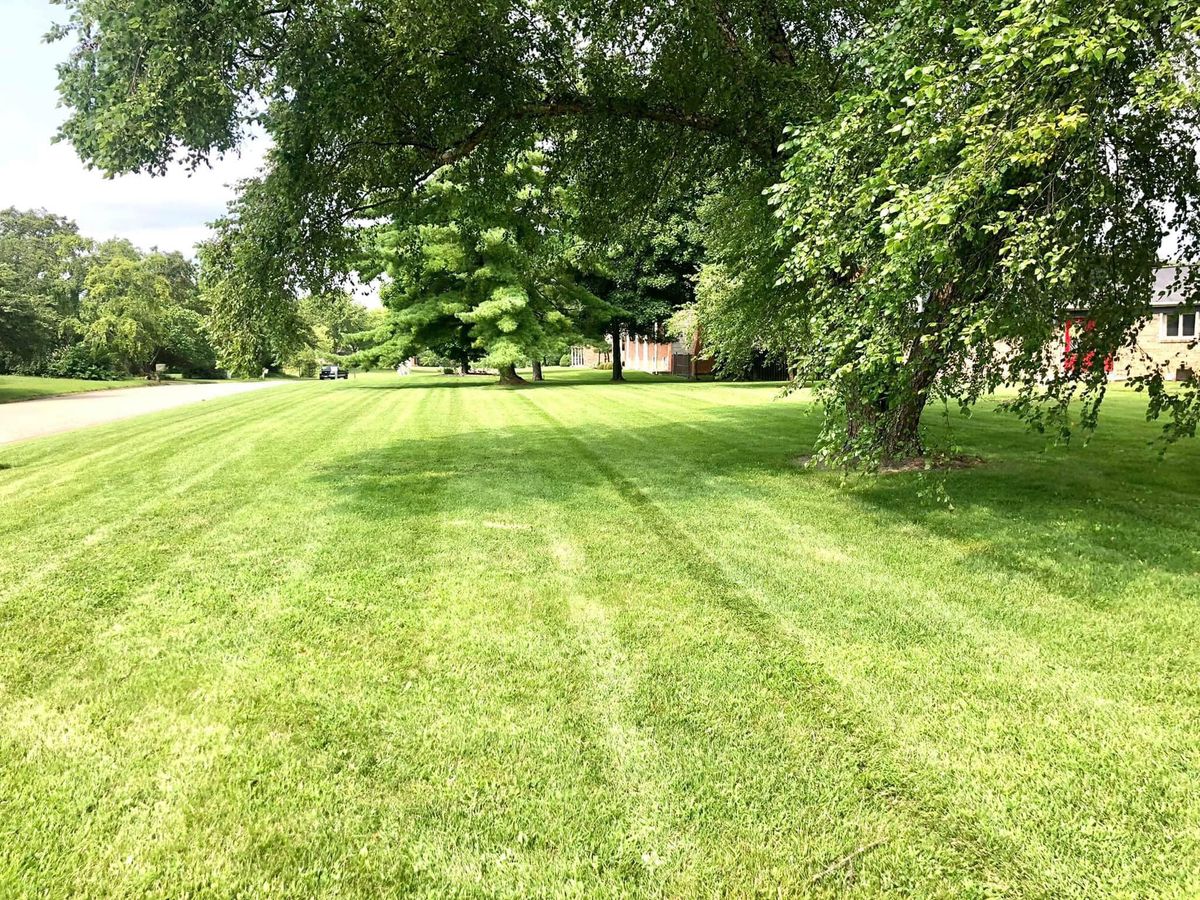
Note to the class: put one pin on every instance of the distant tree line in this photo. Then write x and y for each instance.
(74, 307)
(79, 308)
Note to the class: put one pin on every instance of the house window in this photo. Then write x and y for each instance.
(1179, 326)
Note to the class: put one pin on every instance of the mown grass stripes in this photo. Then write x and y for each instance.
(433, 637)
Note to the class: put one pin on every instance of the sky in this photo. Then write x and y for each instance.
(169, 212)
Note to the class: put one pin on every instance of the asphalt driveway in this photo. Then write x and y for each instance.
(36, 418)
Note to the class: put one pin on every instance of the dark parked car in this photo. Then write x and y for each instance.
(332, 372)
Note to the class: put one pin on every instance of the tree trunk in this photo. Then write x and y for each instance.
(464, 335)
(508, 375)
(697, 343)
(892, 425)
(893, 420)
(895, 417)
(902, 435)
(617, 374)
(537, 370)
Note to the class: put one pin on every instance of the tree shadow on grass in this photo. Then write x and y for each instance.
(401, 384)
(470, 381)
(745, 385)
(1083, 522)
(553, 380)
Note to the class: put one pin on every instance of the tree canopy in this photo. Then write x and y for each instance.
(492, 277)
(902, 199)
(994, 168)
(364, 101)
(139, 310)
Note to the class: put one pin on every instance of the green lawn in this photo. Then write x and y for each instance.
(28, 387)
(429, 635)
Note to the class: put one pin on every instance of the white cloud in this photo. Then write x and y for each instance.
(169, 211)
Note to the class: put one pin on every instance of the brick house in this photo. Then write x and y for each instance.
(657, 356)
(1169, 336)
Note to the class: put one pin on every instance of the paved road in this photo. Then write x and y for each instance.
(51, 415)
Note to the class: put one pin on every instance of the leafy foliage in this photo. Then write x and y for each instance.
(42, 260)
(954, 178)
(994, 167)
(120, 312)
(27, 320)
(254, 317)
(140, 310)
(336, 319)
(650, 264)
(364, 101)
(488, 276)
(75, 308)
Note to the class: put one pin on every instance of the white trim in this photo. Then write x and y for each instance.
(1180, 338)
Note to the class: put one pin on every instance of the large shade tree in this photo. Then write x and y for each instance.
(121, 312)
(364, 100)
(994, 169)
(255, 316)
(960, 174)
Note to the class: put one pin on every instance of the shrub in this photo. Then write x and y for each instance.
(435, 361)
(81, 361)
(566, 360)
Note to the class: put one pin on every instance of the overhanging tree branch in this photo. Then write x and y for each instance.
(581, 105)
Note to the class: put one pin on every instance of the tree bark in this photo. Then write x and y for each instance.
(464, 366)
(537, 370)
(508, 375)
(617, 372)
(902, 439)
(895, 417)
(892, 422)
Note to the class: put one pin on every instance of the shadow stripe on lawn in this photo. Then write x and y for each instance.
(866, 743)
(1017, 858)
(439, 845)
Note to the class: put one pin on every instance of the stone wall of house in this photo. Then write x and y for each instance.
(1155, 348)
